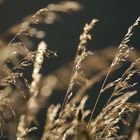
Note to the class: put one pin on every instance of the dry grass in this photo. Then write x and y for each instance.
(23, 97)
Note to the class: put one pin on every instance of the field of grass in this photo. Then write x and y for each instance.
(95, 96)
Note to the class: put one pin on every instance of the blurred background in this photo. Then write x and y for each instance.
(115, 16)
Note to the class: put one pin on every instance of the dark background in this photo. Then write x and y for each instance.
(115, 17)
